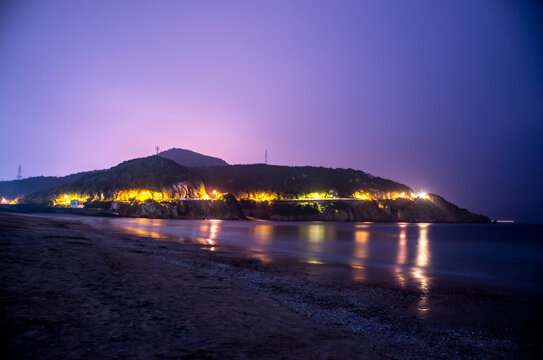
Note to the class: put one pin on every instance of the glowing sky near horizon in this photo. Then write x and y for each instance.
(446, 97)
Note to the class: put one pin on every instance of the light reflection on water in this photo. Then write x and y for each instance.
(314, 243)
(263, 234)
(314, 233)
(315, 236)
(415, 256)
(423, 253)
(263, 238)
(360, 253)
(401, 258)
(134, 228)
(312, 260)
(207, 234)
(423, 261)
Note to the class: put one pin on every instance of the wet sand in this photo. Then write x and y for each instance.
(69, 290)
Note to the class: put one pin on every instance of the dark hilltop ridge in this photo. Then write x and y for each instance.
(158, 178)
(190, 158)
(173, 187)
(17, 188)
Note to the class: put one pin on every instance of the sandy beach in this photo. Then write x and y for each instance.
(72, 291)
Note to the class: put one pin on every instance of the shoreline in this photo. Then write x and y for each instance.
(41, 209)
(439, 278)
(328, 317)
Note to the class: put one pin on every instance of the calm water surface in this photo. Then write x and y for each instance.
(509, 256)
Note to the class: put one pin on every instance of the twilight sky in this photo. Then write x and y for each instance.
(444, 96)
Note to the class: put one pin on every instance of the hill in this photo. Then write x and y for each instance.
(296, 182)
(154, 178)
(17, 188)
(190, 158)
(159, 187)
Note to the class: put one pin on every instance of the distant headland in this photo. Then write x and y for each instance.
(180, 183)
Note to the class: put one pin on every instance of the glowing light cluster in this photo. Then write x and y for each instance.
(263, 196)
(202, 195)
(423, 195)
(65, 199)
(315, 196)
(141, 195)
(216, 195)
(130, 195)
(3, 200)
(398, 195)
(362, 195)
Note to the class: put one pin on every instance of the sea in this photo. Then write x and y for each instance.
(421, 255)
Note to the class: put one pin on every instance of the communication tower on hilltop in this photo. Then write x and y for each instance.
(266, 157)
(20, 172)
(157, 149)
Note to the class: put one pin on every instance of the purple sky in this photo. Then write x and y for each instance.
(444, 96)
